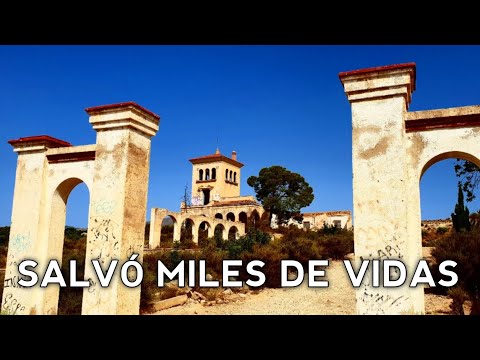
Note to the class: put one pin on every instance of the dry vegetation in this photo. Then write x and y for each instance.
(292, 243)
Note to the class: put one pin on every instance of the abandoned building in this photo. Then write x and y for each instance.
(217, 206)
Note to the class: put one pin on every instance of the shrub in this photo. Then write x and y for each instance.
(459, 296)
(4, 235)
(271, 256)
(337, 246)
(329, 229)
(464, 249)
(3, 257)
(442, 230)
(245, 243)
(301, 249)
(70, 299)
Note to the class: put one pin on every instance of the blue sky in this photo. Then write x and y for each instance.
(274, 105)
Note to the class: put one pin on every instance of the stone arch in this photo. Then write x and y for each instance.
(254, 218)
(47, 171)
(235, 177)
(169, 233)
(449, 155)
(204, 230)
(242, 217)
(392, 149)
(214, 174)
(233, 233)
(58, 212)
(231, 175)
(219, 216)
(187, 230)
(200, 174)
(226, 174)
(207, 174)
(230, 216)
(220, 232)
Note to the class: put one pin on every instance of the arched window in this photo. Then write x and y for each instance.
(234, 177)
(226, 174)
(200, 175)
(231, 172)
(214, 173)
(207, 174)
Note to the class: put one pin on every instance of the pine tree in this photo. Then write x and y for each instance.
(461, 216)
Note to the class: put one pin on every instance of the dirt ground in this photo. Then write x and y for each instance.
(337, 299)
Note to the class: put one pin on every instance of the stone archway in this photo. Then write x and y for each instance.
(233, 233)
(204, 230)
(392, 148)
(57, 221)
(220, 231)
(116, 171)
(188, 230)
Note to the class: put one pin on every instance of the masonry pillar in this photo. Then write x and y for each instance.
(211, 231)
(379, 100)
(195, 233)
(29, 223)
(177, 229)
(121, 175)
(156, 219)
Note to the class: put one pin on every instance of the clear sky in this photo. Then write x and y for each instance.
(274, 105)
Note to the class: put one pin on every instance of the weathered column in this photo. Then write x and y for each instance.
(156, 219)
(379, 99)
(195, 233)
(29, 223)
(121, 175)
(211, 231)
(177, 229)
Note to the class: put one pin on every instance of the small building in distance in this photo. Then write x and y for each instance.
(314, 220)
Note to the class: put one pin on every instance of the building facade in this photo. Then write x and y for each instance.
(216, 204)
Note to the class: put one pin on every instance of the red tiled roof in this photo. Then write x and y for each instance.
(235, 203)
(410, 65)
(40, 138)
(328, 213)
(215, 157)
(95, 109)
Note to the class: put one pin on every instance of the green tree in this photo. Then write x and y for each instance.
(469, 175)
(461, 216)
(282, 193)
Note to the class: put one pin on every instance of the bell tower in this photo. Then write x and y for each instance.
(215, 177)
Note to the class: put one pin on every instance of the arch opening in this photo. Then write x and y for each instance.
(438, 198)
(219, 216)
(231, 216)
(68, 241)
(187, 236)
(203, 231)
(167, 234)
(233, 233)
(254, 220)
(219, 233)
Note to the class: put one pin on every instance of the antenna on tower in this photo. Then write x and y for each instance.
(218, 149)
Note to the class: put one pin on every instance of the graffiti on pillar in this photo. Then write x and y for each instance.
(21, 242)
